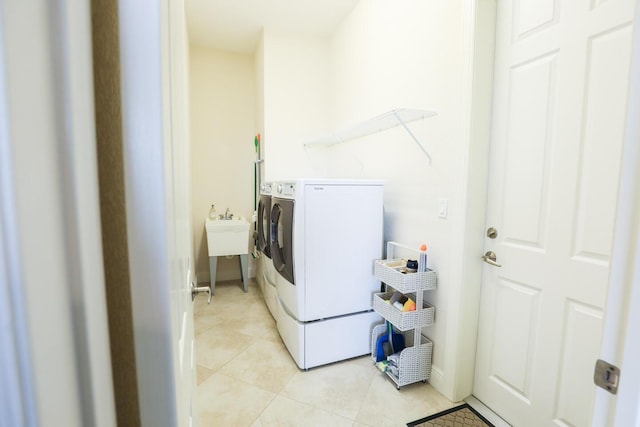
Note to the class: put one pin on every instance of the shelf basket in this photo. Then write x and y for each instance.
(389, 271)
(414, 363)
(403, 321)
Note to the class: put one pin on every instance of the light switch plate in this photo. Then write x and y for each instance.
(443, 207)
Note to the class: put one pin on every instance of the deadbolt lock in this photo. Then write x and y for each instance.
(492, 233)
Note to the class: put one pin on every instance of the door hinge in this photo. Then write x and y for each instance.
(606, 376)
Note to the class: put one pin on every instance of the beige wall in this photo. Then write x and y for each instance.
(222, 109)
(109, 144)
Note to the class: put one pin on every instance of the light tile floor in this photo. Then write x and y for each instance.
(246, 377)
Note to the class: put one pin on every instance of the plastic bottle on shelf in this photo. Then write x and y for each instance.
(422, 261)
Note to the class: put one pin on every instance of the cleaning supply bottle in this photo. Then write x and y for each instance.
(422, 262)
(212, 213)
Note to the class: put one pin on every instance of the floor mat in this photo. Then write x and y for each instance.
(463, 415)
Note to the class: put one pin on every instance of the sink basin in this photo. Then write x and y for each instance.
(227, 236)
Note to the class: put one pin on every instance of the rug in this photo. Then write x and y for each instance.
(463, 415)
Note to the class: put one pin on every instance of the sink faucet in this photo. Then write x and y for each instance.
(226, 215)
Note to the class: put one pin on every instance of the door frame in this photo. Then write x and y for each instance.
(55, 340)
(477, 59)
(146, 98)
(622, 316)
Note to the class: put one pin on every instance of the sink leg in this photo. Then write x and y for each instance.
(244, 268)
(213, 264)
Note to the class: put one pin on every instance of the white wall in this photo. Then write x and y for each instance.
(222, 107)
(388, 55)
(296, 101)
(395, 55)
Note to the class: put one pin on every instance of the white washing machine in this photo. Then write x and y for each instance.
(267, 270)
(325, 235)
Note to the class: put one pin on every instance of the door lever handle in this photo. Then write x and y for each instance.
(195, 290)
(490, 258)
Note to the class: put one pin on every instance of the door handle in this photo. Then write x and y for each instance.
(490, 258)
(195, 290)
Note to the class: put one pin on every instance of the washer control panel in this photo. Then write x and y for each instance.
(286, 189)
(266, 188)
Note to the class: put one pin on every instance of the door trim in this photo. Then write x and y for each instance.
(477, 58)
(143, 34)
(16, 366)
(51, 240)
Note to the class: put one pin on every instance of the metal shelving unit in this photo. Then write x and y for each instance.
(414, 361)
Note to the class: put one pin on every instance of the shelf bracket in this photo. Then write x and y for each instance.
(404, 125)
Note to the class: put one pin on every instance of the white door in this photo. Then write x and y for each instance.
(183, 328)
(155, 125)
(560, 96)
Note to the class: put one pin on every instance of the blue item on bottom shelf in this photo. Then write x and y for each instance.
(384, 347)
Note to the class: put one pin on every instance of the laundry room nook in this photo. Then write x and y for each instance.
(379, 97)
(357, 146)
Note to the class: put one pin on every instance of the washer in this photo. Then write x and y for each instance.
(325, 235)
(267, 270)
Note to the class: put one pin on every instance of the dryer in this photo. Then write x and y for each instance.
(267, 270)
(325, 235)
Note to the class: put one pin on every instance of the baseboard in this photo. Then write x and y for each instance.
(223, 276)
(437, 380)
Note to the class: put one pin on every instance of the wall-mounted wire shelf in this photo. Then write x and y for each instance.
(390, 119)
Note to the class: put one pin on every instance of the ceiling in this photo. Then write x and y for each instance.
(236, 25)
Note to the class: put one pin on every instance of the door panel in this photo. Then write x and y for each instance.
(531, 15)
(527, 160)
(582, 323)
(516, 310)
(605, 97)
(560, 96)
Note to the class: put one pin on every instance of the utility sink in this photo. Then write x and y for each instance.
(227, 236)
